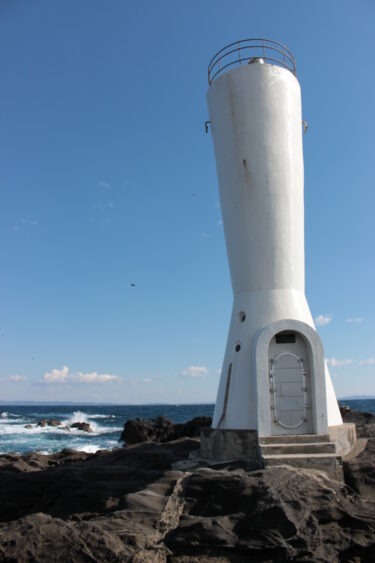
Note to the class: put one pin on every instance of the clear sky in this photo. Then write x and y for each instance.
(108, 179)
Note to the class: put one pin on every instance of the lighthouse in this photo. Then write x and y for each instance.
(275, 388)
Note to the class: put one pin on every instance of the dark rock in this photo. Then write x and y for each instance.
(28, 426)
(42, 423)
(276, 514)
(139, 430)
(364, 421)
(75, 483)
(130, 504)
(84, 426)
(192, 428)
(359, 471)
(161, 429)
(51, 422)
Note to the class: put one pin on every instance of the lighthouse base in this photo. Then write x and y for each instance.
(311, 451)
(225, 445)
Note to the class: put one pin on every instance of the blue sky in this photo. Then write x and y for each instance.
(107, 178)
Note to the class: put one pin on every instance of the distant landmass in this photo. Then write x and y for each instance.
(90, 403)
(357, 398)
(26, 403)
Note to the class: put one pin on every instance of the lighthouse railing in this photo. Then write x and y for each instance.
(248, 51)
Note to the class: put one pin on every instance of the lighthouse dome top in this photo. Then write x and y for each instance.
(249, 51)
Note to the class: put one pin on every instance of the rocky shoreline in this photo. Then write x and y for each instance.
(137, 503)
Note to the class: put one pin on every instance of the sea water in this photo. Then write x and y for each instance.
(106, 421)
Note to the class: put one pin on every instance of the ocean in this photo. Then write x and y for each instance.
(106, 421)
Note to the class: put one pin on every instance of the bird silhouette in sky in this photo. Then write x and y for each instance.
(132, 285)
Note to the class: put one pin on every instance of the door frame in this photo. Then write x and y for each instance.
(260, 365)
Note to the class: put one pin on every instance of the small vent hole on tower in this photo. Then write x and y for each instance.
(241, 316)
(237, 347)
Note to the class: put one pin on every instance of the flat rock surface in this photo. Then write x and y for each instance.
(132, 505)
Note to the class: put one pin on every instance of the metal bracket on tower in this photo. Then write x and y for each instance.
(206, 125)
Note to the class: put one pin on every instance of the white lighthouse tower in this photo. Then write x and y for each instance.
(275, 387)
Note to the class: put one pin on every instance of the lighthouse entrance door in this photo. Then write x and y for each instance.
(290, 385)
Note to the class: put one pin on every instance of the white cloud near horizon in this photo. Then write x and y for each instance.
(94, 377)
(322, 320)
(355, 320)
(367, 362)
(63, 376)
(193, 371)
(57, 375)
(17, 378)
(336, 363)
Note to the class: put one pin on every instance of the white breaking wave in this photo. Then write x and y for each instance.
(79, 416)
(4, 420)
(101, 416)
(88, 448)
(76, 417)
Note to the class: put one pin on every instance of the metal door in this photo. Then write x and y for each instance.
(290, 394)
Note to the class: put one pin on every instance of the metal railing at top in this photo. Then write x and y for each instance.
(247, 51)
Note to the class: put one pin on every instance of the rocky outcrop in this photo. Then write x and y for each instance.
(364, 421)
(360, 471)
(277, 514)
(51, 422)
(161, 429)
(133, 504)
(84, 426)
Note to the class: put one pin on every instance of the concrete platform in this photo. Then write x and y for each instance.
(310, 451)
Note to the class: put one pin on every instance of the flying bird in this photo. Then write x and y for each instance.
(132, 285)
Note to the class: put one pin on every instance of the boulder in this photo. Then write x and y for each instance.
(51, 422)
(42, 423)
(192, 428)
(364, 421)
(139, 430)
(161, 429)
(54, 422)
(84, 426)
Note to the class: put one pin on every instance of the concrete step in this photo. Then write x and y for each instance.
(331, 464)
(306, 449)
(275, 459)
(294, 439)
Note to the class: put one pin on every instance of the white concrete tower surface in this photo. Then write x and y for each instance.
(274, 379)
